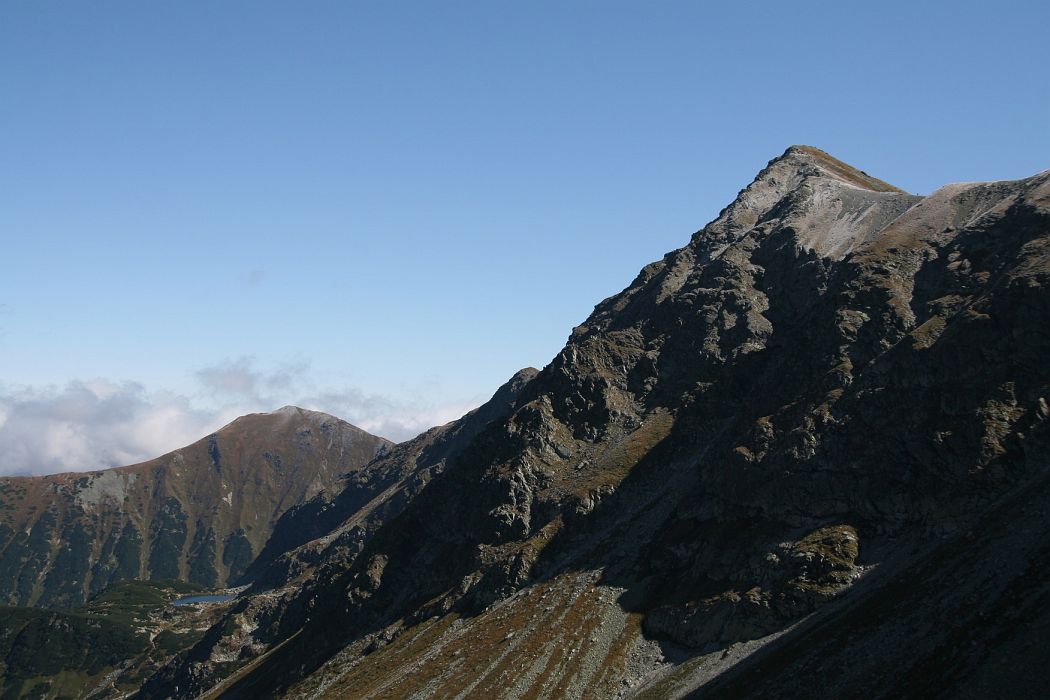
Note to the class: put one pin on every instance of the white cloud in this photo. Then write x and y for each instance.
(239, 378)
(93, 424)
(380, 415)
(98, 423)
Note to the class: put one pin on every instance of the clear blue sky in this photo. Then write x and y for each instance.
(413, 200)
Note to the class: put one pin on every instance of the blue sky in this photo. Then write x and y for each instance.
(222, 207)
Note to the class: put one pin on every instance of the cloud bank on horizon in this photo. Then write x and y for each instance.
(98, 423)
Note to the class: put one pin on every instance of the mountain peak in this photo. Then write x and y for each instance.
(282, 418)
(800, 180)
(830, 166)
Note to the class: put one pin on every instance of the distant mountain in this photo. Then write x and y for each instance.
(200, 514)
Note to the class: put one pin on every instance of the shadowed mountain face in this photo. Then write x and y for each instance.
(744, 458)
(810, 445)
(200, 514)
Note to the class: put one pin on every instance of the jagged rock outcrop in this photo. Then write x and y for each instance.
(202, 513)
(774, 590)
(827, 386)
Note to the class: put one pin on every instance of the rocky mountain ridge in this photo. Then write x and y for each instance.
(765, 427)
(201, 513)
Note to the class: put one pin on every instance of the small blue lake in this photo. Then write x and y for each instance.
(190, 600)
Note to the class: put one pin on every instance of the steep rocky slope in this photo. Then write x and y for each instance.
(777, 437)
(333, 529)
(201, 513)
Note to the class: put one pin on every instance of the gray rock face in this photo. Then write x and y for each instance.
(812, 398)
